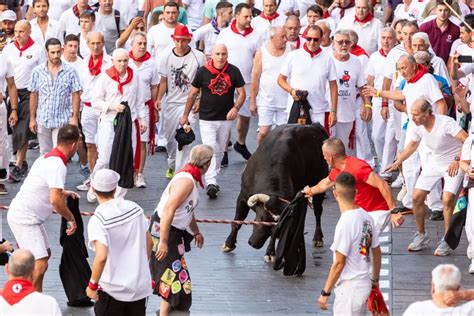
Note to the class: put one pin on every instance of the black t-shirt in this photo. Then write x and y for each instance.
(214, 107)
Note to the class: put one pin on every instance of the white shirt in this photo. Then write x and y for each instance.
(121, 226)
(159, 39)
(350, 77)
(75, 64)
(263, 26)
(336, 14)
(128, 9)
(369, 32)
(427, 308)
(208, 35)
(52, 31)
(69, 23)
(6, 71)
(35, 303)
(241, 49)
(352, 236)
(375, 69)
(299, 66)
(148, 75)
(440, 69)
(105, 93)
(468, 149)
(441, 141)
(425, 88)
(24, 64)
(31, 205)
(180, 72)
(284, 7)
(414, 12)
(390, 70)
(108, 26)
(88, 82)
(194, 13)
(184, 213)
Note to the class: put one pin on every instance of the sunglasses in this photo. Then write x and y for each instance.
(343, 42)
(312, 39)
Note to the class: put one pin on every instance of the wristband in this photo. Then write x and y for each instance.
(369, 106)
(198, 233)
(14, 110)
(334, 110)
(385, 104)
(377, 94)
(93, 285)
(374, 280)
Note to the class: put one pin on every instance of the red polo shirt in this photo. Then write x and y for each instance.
(367, 197)
(441, 41)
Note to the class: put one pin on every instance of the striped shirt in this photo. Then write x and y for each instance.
(54, 96)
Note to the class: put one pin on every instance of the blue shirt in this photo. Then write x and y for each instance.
(54, 108)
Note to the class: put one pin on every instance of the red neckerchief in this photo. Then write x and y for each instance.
(194, 171)
(342, 11)
(305, 32)
(27, 45)
(138, 152)
(113, 74)
(57, 153)
(234, 29)
(95, 70)
(368, 18)
(269, 18)
(140, 59)
(382, 52)
(151, 138)
(419, 73)
(326, 14)
(221, 83)
(16, 290)
(312, 54)
(298, 43)
(76, 12)
(358, 51)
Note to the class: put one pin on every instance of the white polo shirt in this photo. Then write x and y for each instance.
(262, 25)
(299, 66)
(369, 32)
(375, 69)
(31, 205)
(147, 72)
(208, 34)
(121, 226)
(350, 77)
(354, 237)
(88, 81)
(69, 23)
(425, 88)
(241, 49)
(52, 31)
(336, 14)
(390, 70)
(24, 64)
(33, 304)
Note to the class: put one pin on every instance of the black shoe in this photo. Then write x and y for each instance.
(212, 191)
(436, 216)
(3, 174)
(33, 145)
(81, 303)
(160, 149)
(3, 189)
(229, 143)
(225, 160)
(15, 175)
(242, 149)
(24, 169)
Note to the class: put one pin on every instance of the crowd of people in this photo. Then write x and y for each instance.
(111, 82)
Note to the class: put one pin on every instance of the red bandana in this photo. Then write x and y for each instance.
(326, 15)
(76, 12)
(140, 59)
(27, 45)
(298, 43)
(221, 83)
(57, 153)
(151, 138)
(419, 73)
(269, 18)
(368, 18)
(342, 11)
(305, 32)
(382, 52)
(312, 54)
(194, 171)
(234, 29)
(16, 290)
(95, 70)
(113, 74)
(358, 51)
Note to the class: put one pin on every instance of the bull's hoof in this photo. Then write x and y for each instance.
(227, 248)
(269, 258)
(318, 243)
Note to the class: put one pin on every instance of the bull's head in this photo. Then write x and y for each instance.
(267, 209)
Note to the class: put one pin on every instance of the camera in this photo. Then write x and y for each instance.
(465, 59)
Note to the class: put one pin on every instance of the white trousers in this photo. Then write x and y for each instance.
(90, 123)
(176, 158)
(215, 134)
(342, 131)
(388, 139)
(470, 225)
(160, 135)
(381, 219)
(47, 138)
(351, 297)
(3, 137)
(363, 147)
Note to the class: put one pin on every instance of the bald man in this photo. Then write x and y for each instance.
(23, 55)
(217, 81)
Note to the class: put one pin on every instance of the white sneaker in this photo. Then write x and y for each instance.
(402, 193)
(419, 242)
(140, 181)
(84, 186)
(91, 196)
(471, 267)
(443, 249)
(398, 183)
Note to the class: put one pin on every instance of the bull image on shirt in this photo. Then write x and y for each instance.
(366, 241)
(180, 79)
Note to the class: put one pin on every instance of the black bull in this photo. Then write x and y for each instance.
(285, 162)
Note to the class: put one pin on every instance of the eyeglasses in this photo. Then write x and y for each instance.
(141, 29)
(343, 42)
(312, 39)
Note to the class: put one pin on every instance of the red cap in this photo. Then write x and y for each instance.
(181, 32)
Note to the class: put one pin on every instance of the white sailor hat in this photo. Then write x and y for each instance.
(8, 15)
(105, 180)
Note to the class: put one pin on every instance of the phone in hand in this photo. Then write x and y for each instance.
(141, 14)
(465, 59)
(3, 37)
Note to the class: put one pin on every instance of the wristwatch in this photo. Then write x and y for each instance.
(457, 158)
(324, 293)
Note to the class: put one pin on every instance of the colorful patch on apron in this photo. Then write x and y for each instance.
(183, 276)
(181, 249)
(168, 276)
(156, 242)
(187, 287)
(175, 287)
(176, 266)
(183, 263)
(164, 290)
(155, 229)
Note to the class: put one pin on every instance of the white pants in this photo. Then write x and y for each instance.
(90, 123)
(176, 158)
(160, 132)
(47, 138)
(426, 181)
(363, 147)
(389, 141)
(381, 219)
(215, 134)
(245, 108)
(342, 131)
(351, 297)
(470, 225)
(4, 157)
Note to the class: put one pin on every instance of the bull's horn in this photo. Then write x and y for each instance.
(260, 197)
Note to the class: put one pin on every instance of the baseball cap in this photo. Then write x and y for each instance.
(8, 15)
(105, 180)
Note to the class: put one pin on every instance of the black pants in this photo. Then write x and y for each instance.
(109, 306)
